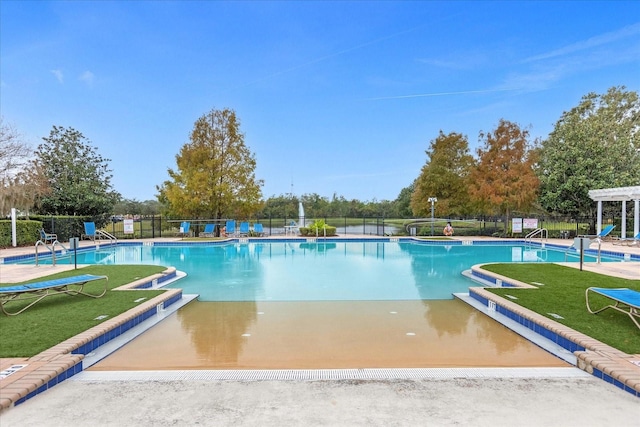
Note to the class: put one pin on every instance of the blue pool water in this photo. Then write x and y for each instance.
(300, 271)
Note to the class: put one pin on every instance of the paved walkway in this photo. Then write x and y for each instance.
(573, 399)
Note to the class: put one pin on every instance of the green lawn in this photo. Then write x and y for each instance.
(563, 293)
(60, 317)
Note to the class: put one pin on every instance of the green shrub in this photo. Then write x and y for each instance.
(318, 228)
(27, 232)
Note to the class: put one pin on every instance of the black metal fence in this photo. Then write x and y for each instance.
(156, 226)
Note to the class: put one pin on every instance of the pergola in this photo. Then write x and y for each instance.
(620, 194)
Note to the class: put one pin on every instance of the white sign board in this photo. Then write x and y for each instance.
(516, 225)
(128, 226)
(530, 223)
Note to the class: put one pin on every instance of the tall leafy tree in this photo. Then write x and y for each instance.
(78, 176)
(444, 176)
(215, 175)
(504, 178)
(402, 203)
(594, 145)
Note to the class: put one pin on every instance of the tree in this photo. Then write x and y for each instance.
(19, 185)
(79, 177)
(402, 203)
(215, 174)
(444, 176)
(504, 178)
(136, 207)
(594, 145)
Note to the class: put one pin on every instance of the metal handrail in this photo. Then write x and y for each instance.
(52, 249)
(107, 235)
(544, 234)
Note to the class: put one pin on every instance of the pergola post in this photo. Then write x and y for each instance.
(636, 217)
(623, 225)
(599, 225)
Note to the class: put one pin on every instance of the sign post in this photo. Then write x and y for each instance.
(74, 242)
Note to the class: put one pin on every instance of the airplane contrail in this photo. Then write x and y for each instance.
(329, 56)
(423, 95)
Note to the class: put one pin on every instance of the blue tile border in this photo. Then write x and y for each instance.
(555, 337)
(105, 338)
(564, 342)
(122, 328)
(73, 370)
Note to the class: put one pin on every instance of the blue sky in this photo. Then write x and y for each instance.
(333, 97)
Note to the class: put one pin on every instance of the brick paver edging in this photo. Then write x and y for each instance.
(31, 376)
(594, 357)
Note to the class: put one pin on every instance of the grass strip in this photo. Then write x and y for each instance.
(563, 294)
(60, 317)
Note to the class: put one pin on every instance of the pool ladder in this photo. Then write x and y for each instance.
(51, 248)
(543, 232)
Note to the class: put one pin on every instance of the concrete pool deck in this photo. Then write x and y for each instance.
(490, 397)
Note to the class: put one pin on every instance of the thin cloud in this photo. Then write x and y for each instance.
(590, 43)
(88, 77)
(545, 75)
(58, 75)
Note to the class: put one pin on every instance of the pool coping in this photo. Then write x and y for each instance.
(594, 357)
(22, 378)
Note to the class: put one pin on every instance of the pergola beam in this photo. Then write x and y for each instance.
(620, 194)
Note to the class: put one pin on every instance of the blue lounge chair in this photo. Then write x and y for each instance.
(626, 300)
(244, 229)
(230, 228)
(39, 290)
(47, 237)
(600, 236)
(604, 232)
(184, 229)
(89, 231)
(257, 228)
(209, 231)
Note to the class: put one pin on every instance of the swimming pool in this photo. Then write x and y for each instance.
(317, 305)
(322, 271)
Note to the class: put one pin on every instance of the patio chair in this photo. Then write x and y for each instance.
(635, 241)
(47, 237)
(184, 229)
(209, 231)
(258, 229)
(89, 231)
(39, 290)
(244, 229)
(627, 301)
(292, 228)
(230, 228)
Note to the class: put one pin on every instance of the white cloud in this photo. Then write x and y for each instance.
(606, 38)
(88, 77)
(58, 74)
